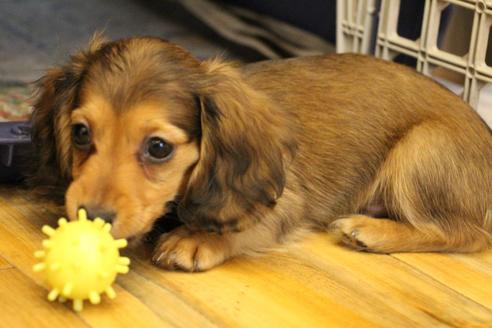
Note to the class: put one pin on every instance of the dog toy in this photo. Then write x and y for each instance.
(80, 260)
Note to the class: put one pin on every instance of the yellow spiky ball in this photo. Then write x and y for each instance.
(80, 260)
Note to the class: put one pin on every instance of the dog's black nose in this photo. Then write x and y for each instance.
(93, 212)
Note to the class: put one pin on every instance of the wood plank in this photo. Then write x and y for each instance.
(21, 236)
(240, 295)
(20, 298)
(263, 307)
(252, 315)
(468, 274)
(335, 278)
(124, 311)
(4, 264)
(398, 283)
(167, 304)
(315, 283)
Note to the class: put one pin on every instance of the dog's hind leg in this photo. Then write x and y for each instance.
(435, 185)
(377, 235)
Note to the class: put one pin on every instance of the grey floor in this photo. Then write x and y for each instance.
(35, 34)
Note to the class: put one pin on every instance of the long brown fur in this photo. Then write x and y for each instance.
(265, 151)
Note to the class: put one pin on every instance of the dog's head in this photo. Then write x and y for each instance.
(132, 125)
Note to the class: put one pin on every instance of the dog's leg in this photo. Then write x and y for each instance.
(186, 250)
(381, 235)
(182, 249)
(365, 233)
(437, 184)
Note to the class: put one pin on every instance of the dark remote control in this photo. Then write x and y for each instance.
(15, 137)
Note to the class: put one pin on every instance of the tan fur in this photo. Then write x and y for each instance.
(267, 151)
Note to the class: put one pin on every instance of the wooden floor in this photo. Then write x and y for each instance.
(314, 284)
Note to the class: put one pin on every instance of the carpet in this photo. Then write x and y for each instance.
(15, 102)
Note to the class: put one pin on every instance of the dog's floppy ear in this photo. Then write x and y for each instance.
(246, 144)
(56, 96)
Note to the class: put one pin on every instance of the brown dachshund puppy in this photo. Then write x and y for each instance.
(253, 155)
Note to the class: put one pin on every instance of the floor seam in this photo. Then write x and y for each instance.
(441, 283)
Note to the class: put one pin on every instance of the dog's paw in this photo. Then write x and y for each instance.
(358, 232)
(184, 250)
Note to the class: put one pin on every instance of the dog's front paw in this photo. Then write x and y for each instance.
(184, 250)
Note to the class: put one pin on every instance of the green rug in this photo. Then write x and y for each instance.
(15, 102)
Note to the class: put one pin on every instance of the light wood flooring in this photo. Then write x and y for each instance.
(315, 283)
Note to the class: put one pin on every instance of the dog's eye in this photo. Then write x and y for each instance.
(157, 150)
(81, 136)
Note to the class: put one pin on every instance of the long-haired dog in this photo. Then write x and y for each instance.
(250, 156)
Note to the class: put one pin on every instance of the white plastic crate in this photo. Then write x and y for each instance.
(356, 25)
(425, 50)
